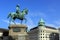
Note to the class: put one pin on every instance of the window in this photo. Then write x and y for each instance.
(43, 34)
(41, 37)
(42, 30)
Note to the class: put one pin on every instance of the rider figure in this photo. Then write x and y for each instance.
(18, 9)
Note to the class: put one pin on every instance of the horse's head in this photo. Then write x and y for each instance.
(25, 11)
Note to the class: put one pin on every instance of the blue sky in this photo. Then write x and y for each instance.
(49, 10)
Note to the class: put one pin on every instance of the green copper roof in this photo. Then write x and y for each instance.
(41, 20)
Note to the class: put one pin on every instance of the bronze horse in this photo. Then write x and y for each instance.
(18, 15)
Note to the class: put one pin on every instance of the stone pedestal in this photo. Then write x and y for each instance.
(22, 37)
(18, 30)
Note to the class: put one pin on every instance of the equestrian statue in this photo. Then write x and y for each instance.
(18, 15)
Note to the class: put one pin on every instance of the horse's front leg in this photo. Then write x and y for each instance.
(13, 21)
(9, 21)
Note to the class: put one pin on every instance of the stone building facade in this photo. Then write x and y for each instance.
(3, 32)
(43, 32)
(59, 33)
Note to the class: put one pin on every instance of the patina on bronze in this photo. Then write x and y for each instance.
(18, 15)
